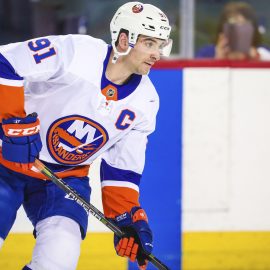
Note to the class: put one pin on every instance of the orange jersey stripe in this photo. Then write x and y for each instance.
(11, 101)
(79, 171)
(117, 200)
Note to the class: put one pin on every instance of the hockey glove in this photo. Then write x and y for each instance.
(21, 140)
(137, 240)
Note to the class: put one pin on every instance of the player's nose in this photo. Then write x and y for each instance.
(155, 55)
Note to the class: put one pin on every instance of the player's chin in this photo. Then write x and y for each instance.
(144, 69)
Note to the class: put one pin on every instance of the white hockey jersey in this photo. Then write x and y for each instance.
(82, 113)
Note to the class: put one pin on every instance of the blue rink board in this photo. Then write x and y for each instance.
(161, 183)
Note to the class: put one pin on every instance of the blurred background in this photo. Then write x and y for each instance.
(194, 22)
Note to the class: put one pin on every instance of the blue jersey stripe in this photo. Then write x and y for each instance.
(7, 71)
(108, 172)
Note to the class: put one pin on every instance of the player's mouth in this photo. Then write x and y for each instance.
(149, 64)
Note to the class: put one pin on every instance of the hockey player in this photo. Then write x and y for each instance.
(66, 100)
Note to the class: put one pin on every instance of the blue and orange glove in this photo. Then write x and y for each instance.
(21, 140)
(137, 240)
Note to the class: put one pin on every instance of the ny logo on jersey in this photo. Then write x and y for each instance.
(73, 139)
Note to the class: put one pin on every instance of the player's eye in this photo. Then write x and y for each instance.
(149, 44)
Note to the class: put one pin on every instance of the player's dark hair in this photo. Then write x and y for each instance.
(120, 32)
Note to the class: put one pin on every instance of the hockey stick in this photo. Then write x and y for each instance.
(88, 207)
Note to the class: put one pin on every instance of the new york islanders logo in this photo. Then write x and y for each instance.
(73, 139)
(137, 8)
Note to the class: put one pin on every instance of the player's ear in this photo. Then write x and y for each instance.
(123, 42)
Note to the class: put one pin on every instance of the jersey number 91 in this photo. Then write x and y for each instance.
(42, 49)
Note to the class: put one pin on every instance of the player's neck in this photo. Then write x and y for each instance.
(119, 72)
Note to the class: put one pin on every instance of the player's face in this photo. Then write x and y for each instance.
(145, 53)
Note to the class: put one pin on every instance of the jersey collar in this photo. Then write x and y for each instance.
(114, 91)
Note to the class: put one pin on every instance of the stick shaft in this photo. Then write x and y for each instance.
(89, 208)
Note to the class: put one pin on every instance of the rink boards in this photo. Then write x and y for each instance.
(208, 160)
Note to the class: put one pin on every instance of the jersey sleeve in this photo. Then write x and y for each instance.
(34, 60)
(122, 166)
(11, 91)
